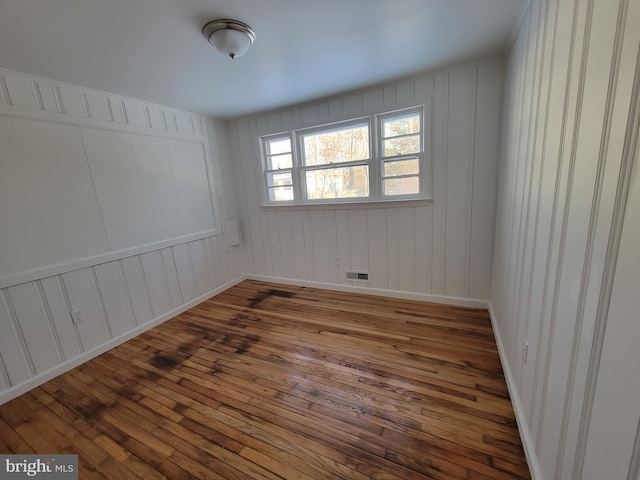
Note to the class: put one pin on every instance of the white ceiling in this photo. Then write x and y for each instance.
(154, 50)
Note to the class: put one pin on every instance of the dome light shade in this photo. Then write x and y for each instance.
(231, 37)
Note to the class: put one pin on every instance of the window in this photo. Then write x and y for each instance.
(375, 158)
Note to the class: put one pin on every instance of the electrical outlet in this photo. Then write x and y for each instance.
(337, 261)
(526, 350)
(76, 316)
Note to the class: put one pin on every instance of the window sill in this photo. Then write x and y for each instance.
(414, 202)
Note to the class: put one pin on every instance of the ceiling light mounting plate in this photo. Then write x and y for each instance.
(231, 37)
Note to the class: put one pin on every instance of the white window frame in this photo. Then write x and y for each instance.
(422, 166)
(375, 162)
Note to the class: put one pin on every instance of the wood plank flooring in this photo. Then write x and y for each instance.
(272, 381)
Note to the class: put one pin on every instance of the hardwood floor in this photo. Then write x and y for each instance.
(271, 381)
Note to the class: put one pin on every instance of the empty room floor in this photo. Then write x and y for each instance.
(272, 381)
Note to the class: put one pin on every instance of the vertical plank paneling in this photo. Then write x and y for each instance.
(343, 237)
(274, 241)
(33, 321)
(484, 179)
(462, 84)
(423, 249)
(200, 266)
(393, 252)
(137, 289)
(377, 233)
(332, 245)
(11, 346)
(186, 273)
(157, 284)
(114, 298)
(83, 296)
(286, 244)
(440, 157)
(406, 249)
(59, 310)
(308, 245)
(358, 239)
(171, 273)
(299, 245)
(320, 246)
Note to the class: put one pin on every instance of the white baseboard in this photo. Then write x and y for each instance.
(523, 427)
(379, 292)
(38, 380)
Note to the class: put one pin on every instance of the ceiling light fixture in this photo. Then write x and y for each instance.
(231, 37)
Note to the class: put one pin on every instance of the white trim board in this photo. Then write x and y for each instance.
(85, 357)
(525, 436)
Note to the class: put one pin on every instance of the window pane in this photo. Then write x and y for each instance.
(276, 146)
(280, 194)
(401, 186)
(401, 125)
(278, 179)
(401, 167)
(347, 182)
(402, 146)
(280, 161)
(341, 145)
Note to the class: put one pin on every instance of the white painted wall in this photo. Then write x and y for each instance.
(441, 247)
(569, 135)
(107, 206)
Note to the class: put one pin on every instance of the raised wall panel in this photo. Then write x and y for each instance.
(321, 253)
(61, 317)
(116, 182)
(47, 93)
(188, 161)
(11, 346)
(58, 173)
(137, 289)
(97, 105)
(156, 117)
(423, 248)
(33, 321)
(184, 123)
(157, 187)
(20, 90)
(274, 242)
(114, 298)
(71, 100)
(83, 296)
(136, 113)
(117, 109)
(23, 244)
